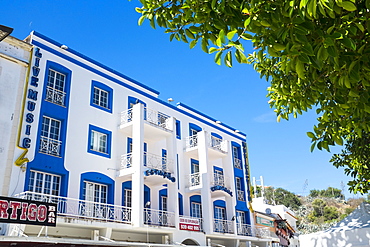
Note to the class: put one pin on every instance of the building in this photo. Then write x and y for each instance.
(281, 221)
(14, 63)
(122, 165)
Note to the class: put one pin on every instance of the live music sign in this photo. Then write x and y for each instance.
(19, 211)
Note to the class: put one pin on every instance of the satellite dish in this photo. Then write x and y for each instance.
(268, 211)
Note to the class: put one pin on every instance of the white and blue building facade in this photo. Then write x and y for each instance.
(123, 165)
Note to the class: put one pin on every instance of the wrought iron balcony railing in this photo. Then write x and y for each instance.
(194, 179)
(159, 217)
(218, 144)
(241, 195)
(191, 141)
(50, 146)
(237, 163)
(151, 116)
(152, 161)
(223, 226)
(83, 209)
(55, 96)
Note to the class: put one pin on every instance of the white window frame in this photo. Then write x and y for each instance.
(94, 192)
(99, 142)
(44, 183)
(128, 198)
(101, 97)
(56, 87)
(196, 209)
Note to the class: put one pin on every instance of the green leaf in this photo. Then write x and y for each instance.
(246, 36)
(204, 46)
(300, 69)
(348, 43)
(221, 36)
(193, 43)
(311, 135)
(228, 59)
(349, 6)
(218, 57)
(212, 50)
(278, 47)
(189, 34)
(141, 20)
(247, 22)
(338, 140)
(231, 34)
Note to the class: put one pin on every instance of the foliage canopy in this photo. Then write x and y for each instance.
(315, 54)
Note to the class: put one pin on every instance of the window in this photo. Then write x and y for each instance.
(101, 96)
(196, 210)
(220, 217)
(55, 87)
(178, 129)
(164, 203)
(99, 141)
(239, 188)
(49, 139)
(94, 194)
(128, 198)
(44, 183)
(219, 177)
(236, 156)
(240, 217)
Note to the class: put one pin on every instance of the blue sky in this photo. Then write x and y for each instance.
(107, 32)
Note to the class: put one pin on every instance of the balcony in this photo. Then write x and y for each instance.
(220, 184)
(82, 209)
(237, 163)
(223, 226)
(50, 146)
(256, 231)
(55, 96)
(194, 180)
(153, 217)
(156, 123)
(240, 194)
(151, 161)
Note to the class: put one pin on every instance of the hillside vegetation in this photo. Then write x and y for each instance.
(315, 212)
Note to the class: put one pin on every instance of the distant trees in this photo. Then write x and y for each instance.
(281, 196)
(330, 192)
(322, 212)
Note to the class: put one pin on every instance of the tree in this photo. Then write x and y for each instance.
(315, 54)
(281, 196)
(330, 192)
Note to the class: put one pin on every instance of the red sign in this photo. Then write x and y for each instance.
(15, 210)
(189, 224)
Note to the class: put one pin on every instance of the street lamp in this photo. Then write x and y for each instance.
(4, 32)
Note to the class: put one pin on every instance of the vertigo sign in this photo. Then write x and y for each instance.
(19, 211)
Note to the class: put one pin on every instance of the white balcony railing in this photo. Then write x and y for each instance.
(237, 163)
(262, 232)
(218, 144)
(223, 226)
(159, 218)
(240, 195)
(152, 161)
(191, 141)
(75, 208)
(50, 146)
(126, 116)
(245, 229)
(151, 116)
(157, 118)
(194, 179)
(126, 161)
(55, 96)
(220, 179)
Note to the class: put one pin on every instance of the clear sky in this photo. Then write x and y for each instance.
(107, 32)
